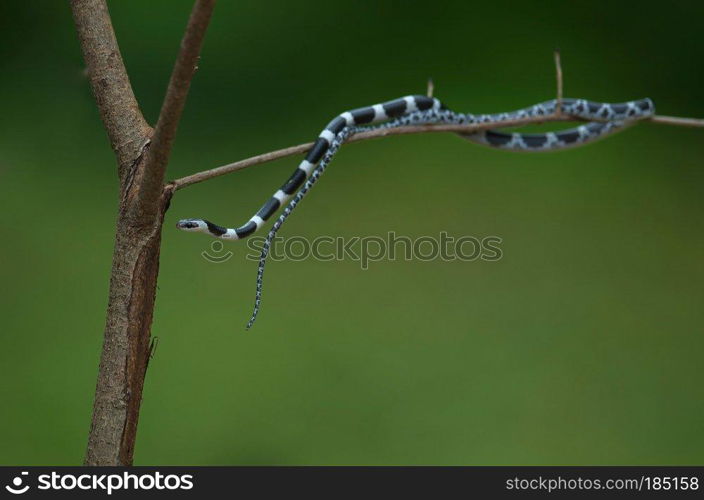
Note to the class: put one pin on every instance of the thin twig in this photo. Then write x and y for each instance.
(239, 165)
(558, 75)
(678, 121)
(371, 134)
(175, 100)
(414, 129)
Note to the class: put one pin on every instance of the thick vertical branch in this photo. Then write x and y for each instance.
(126, 128)
(135, 265)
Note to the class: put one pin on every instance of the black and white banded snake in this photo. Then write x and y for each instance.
(412, 110)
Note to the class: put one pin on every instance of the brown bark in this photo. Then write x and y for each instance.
(123, 121)
(143, 202)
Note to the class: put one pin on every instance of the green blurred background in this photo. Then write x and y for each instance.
(583, 345)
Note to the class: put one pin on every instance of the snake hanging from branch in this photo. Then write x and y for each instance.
(414, 110)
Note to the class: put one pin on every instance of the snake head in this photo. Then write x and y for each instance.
(197, 225)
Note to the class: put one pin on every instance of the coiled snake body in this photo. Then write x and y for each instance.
(411, 110)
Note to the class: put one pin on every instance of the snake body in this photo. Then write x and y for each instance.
(418, 109)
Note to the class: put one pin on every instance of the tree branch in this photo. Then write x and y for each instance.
(558, 115)
(678, 121)
(174, 102)
(119, 111)
(412, 129)
(143, 203)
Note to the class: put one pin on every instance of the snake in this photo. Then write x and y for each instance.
(602, 119)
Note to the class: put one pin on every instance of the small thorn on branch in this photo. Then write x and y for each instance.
(152, 346)
(558, 74)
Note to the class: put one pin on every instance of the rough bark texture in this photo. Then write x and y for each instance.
(126, 128)
(125, 351)
(143, 203)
